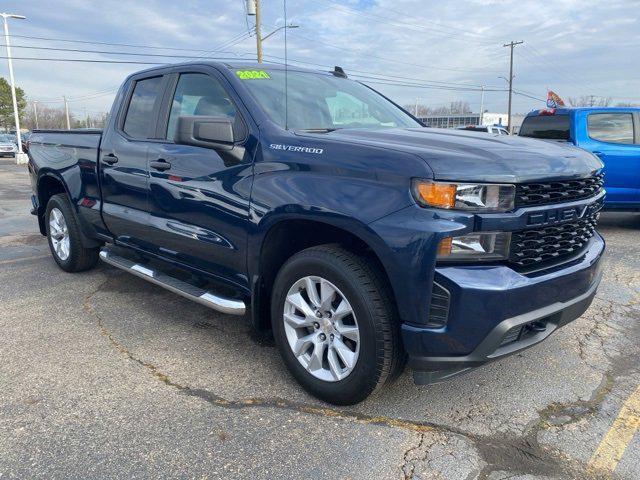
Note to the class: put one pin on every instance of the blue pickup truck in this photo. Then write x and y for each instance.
(611, 133)
(327, 214)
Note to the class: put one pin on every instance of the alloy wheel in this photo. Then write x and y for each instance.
(321, 328)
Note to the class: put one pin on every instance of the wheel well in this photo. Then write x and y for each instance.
(290, 237)
(47, 188)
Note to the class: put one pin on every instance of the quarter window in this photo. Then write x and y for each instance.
(611, 127)
(139, 119)
(198, 94)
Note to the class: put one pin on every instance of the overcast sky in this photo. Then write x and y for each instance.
(572, 47)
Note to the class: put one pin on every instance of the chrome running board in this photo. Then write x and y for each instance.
(229, 306)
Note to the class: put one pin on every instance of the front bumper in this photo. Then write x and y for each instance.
(496, 311)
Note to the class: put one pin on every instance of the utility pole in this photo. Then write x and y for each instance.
(66, 111)
(20, 156)
(35, 112)
(253, 10)
(482, 105)
(511, 45)
(258, 34)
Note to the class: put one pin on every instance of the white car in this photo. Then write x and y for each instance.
(496, 130)
(8, 146)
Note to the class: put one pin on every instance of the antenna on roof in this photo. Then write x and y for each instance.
(339, 72)
(286, 70)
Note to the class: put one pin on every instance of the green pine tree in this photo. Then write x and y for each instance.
(6, 105)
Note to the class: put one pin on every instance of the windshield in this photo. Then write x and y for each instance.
(7, 138)
(321, 102)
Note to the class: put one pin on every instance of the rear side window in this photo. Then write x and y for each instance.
(139, 119)
(548, 127)
(611, 127)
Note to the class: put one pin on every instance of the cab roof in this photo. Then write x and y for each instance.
(569, 110)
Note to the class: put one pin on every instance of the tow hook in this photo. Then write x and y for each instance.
(537, 327)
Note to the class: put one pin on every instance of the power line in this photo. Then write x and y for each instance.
(107, 52)
(88, 42)
(386, 59)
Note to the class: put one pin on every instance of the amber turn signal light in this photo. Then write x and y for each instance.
(444, 247)
(433, 194)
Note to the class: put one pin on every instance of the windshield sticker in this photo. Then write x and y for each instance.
(294, 148)
(251, 74)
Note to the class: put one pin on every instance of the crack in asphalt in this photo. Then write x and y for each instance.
(408, 467)
(521, 454)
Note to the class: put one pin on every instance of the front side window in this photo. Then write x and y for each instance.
(611, 127)
(547, 127)
(317, 101)
(198, 94)
(139, 118)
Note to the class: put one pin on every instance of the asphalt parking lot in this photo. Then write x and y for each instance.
(105, 375)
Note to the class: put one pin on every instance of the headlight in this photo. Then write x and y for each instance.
(475, 247)
(464, 196)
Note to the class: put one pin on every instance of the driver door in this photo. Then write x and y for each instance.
(199, 197)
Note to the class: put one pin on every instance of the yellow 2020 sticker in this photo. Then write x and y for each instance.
(251, 74)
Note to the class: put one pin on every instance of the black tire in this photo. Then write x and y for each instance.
(381, 356)
(79, 257)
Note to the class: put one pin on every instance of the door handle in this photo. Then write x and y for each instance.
(110, 159)
(598, 154)
(160, 165)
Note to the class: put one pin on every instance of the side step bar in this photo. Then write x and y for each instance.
(225, 305)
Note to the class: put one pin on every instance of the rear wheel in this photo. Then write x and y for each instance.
(335, 324)
(65, 241)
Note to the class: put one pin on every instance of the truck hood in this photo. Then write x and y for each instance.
(480, 157)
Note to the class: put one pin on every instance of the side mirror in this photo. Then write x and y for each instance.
(204, 131)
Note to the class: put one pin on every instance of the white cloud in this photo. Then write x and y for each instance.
(574, 47)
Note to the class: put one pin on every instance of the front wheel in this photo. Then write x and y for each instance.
(65, 241)
(335, 325)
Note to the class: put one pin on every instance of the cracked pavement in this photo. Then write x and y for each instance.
(105, 375)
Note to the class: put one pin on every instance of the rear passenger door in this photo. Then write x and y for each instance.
(123, 162)
(199, 197)
(613, 137)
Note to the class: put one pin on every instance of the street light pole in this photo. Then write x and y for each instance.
(20, 156)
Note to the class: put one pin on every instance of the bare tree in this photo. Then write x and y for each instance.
(589, 101)
(91, 121)
(48, 117)
(454, 108)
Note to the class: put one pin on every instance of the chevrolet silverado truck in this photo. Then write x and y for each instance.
(610, 133)
(323, 212)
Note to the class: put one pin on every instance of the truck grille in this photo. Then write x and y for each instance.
(551, 244)
(532, 194)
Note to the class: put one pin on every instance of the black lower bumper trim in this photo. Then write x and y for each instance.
(428, 370)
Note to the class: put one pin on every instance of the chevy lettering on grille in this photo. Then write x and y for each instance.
(577, 212)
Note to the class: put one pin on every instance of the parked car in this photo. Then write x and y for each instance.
(24, 137)
(613, 134)
(358, 245)
(8, 147)
(493, 129)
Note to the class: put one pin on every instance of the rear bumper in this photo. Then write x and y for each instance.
(496, 311)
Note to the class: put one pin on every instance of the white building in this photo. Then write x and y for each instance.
(465, 119)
